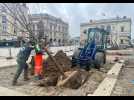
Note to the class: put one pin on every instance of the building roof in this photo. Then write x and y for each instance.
(92, 22)
(47, 16)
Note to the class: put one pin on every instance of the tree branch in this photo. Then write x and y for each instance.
(21, 20)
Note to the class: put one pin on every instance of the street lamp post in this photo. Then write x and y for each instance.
(46, 40)
(10, 52)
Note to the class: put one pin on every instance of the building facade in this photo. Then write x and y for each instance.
(119, 30)
(75, 40)
(9, 27)
(54, 28)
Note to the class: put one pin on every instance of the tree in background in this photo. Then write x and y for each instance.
(22, 22)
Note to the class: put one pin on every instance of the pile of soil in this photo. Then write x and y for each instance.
(52, 74)
(62, 59)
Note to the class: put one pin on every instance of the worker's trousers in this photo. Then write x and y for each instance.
(32, 65)
(22, 66)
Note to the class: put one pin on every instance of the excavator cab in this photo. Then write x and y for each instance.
(99, 35)
(93, 51)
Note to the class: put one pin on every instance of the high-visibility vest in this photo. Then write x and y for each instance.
(38, 64)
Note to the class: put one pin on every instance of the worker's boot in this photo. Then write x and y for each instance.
(14, 82)
(32, 66)
(32, 71)
(26, 79)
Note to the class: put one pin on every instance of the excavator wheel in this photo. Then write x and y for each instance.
(100, 59)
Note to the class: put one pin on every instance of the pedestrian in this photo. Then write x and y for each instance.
(22, 58)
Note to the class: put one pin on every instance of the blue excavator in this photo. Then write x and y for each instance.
(93, 52)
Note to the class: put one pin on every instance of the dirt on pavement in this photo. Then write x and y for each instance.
(29, 87)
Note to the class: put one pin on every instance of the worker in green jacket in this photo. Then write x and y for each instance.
(22, 57)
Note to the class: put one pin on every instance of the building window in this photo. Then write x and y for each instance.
(4, 19)
(52, 27)
(57, 28)
(102, 27)
(108, 28)
(122, 29)
(113, 28)
(121, 41)
(4, 28)
(60, 28)
(14, 30)
(33, 27)
(50, 34)
(85, 31)
(108, 41)
(3, 9)
(54, 40)
(54, 34)
(63, 29)
(59, 40)
(51, 39)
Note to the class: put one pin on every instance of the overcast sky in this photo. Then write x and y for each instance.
(76, 13)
